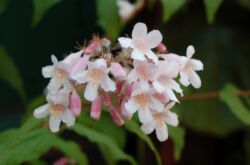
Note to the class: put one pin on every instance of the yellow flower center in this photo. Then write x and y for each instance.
(142, 100)
(96, 75)
(56, 109)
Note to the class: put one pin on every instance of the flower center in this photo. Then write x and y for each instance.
(96, 75)
(159, 117)
(61, 74)
(141, 45)
(142, 72)
(56, 109)
(142, 100)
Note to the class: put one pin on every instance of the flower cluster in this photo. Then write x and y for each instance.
(135, 75)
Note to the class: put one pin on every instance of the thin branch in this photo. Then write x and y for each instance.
(211, 95)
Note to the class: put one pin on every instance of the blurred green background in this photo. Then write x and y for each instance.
(216, 129)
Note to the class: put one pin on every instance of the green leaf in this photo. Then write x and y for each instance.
(27, 147)
(133, 127)
(9, 73)
(40, 9)
(177, 134)
(3, 5)
(234, 103)
(212, 7)
(170, 7)
(108, 17)
(245, 3)
(100, 138)
(71, 149)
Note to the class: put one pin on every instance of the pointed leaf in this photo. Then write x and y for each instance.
(40, 9)
(170, 7)
(234, 103)
(211, 8)
(9, 73)
(177, 134)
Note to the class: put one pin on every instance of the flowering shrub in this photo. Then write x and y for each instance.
(135, 75)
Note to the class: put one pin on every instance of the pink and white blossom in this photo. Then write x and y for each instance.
(143, 101)
(164, 81)
(58, 110)
(160, 121)
(95, 76)
(142, 42)
(188, 68)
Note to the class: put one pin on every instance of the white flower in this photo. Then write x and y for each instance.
(59, 74)
(142, 71)
(160, 119)
(142, 100)
(57, 108)
(142, 42)
(96, 75)
(125, 9)
(164, 82)
(188, 67)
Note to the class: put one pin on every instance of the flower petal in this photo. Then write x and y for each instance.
(190, 51)
(184, 79)
(161, 132)
(197, 64)
(148, 128)
(48, 71)
(81, 77)
(132, 76)
(41, 111)
(130, 106)
(151, 55)
(154, 38)
(172, 118)
(156, 105)
(54, 123)
(145, 115)
(75, 103)
(137, 55)
(171, 95)
(117, 71)
(125, 42)
(158, 87)
(54, 84)
(195, 80)
(107, 84)
(139, 31)
(68, 118)
(72, 58)
(91, 91)
(96, 108)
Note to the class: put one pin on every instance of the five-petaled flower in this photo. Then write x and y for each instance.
(96, 75)
(58, 109)
(159, 121)
(142, 42)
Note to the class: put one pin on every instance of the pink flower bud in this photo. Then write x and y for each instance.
(81, 64)
(161, 48)
(92, 47)
(117, 118)
(128, 90)
(106, 99)
(96, 110)
(119, 85)
(124, 112)
(62, 161)
(75, 103)
(117, 71)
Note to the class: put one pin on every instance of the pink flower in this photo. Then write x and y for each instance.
(96, 75)
(159, 121)
(75, 103)
(143, 101)
(57, 108)
(188, 68)
(142, 42)
(117, 71)
(96, 108)
(117, 118)
(164, 81)
(142, 71)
